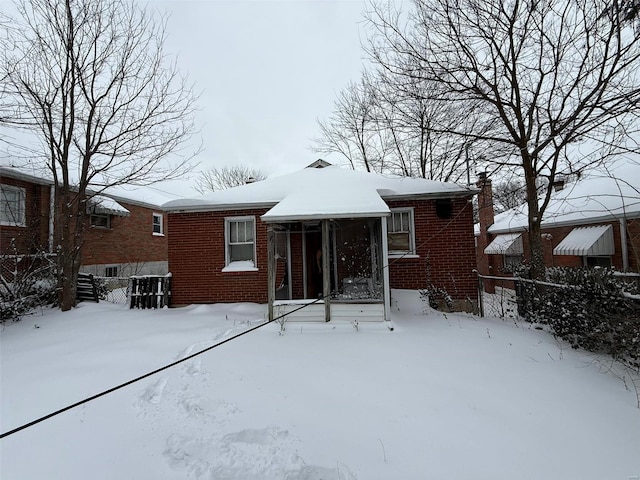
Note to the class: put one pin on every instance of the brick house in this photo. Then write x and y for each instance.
(595, 221)
(126, 236)
(344, 236)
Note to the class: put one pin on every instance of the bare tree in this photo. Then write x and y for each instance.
(557, 81)
(352, 130)
(507, 194)
(90, 80)
(222, 178)
(387, 123)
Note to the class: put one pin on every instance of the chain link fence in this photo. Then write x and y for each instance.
(113, 289)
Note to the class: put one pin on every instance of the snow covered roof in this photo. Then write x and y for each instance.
(106, 205)
(595, 199)
(329, 192)
(147, 196)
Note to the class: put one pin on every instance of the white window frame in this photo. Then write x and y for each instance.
(161, 224)
(21, 214)
(111, 269)
(230, 266)
(412, 235)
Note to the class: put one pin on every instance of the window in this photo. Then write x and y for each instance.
(12, 200)
(111, 271)
(598, 261)
(157, 224)
(400, 236)
(511, 262)
(240, 243)
(101, 220)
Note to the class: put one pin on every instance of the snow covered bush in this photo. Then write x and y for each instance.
(591, 308)
(437, 297)
(26, 282)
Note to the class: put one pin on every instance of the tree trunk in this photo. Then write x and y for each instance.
(536, 253)
(69, 223)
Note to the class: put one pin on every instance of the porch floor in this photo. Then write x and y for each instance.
(343, 310)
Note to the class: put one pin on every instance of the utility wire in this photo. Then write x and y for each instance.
(189, 357)
(146, 375)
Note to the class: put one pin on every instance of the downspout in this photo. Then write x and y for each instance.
(52, 200)
(624, 246)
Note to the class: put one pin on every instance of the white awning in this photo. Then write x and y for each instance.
(587, 241)
(506, 244)
(104, 205)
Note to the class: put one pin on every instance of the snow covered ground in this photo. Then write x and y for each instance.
(443, 396)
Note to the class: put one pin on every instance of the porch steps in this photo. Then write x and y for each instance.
(86, 288)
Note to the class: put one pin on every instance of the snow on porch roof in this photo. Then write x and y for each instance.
(321, 192)
(352, 202)
(104, 205)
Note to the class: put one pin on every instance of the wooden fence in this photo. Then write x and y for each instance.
(150, 291)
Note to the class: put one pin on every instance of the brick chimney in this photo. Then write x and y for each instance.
(485, 201)
(486, 216)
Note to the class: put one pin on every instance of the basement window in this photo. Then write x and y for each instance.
(111, 271)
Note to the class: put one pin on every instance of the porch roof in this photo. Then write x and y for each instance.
(505, 244)
(317, 204)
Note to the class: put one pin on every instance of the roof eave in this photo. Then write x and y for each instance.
(570, 223)
(333, 216)
(432, 195)
(217, 207)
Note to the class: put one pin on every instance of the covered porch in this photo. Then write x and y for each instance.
(336, 268)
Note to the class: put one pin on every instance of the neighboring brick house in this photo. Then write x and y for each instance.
(125, 236)
(327, 232)
(595, 221)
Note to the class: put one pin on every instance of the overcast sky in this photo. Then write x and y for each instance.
(267, 71)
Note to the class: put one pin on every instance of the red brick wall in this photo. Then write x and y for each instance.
(445, 249)
(35, 234)
(552, 238)
(633, 240)
(129, 240)
(197, 256)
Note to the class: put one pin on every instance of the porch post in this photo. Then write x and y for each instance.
(271, 274)
(385, 270)
(326, 270)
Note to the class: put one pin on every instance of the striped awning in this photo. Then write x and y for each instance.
(506, 244)
(587, 241)
(107, 206)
